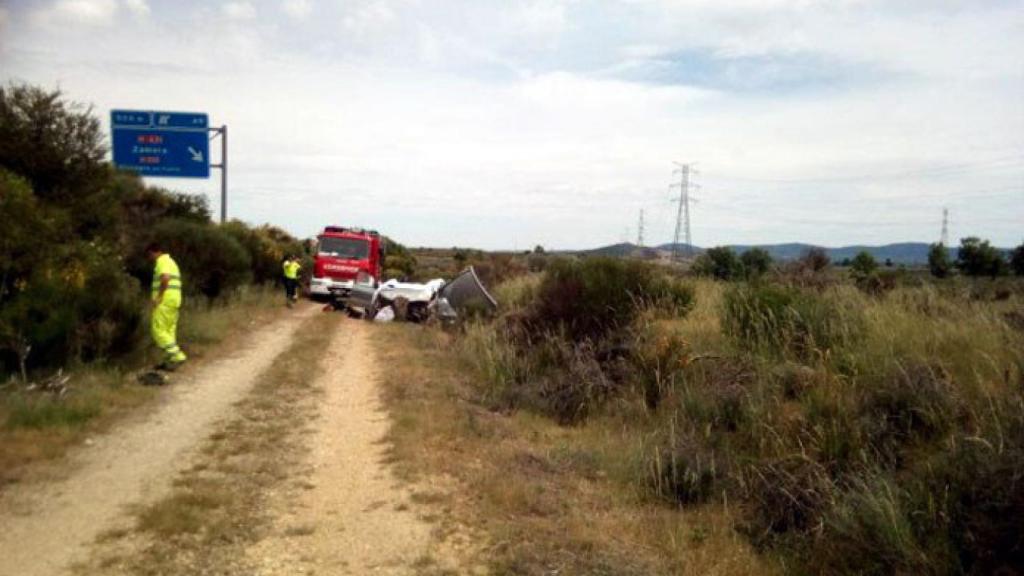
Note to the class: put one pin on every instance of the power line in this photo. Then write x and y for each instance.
(683, 212)
(947, 170)
(944, 238)
(640, 230)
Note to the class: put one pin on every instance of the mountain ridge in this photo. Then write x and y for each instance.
(911, 253)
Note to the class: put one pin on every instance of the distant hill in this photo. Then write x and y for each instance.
(910, 253)
(621, 250)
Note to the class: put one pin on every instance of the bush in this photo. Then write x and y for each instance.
(785, 320)
(979, 258)
(578, 385)
(59, 148)
(58, 301)
(788, 496)
(212, 262)
(399, 262)
(815, 260)
(939, 263)
(720, 262)
(684, 472)
(756, 263)
(266, 246)
(871, 531)
(591, 299)
(863, 265)
(915, 403)
(1017, 260)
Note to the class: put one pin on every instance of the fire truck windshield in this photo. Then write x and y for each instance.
(348, 248)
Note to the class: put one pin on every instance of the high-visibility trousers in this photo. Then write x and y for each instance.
(164, 327)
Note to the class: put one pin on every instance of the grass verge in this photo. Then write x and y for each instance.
(215, 508)
(36, 424)
(551, 499)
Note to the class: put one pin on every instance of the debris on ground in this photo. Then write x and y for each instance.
(385, 314)
(152, 378)
(417, 302)
(56, 384)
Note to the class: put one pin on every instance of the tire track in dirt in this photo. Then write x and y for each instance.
(48, 526)
(350, 515)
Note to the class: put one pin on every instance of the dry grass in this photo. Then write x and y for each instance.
(216, 506)
(836, 431)
(551, 499)
(37, 426)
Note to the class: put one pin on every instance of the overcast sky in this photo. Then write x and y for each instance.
(514, 123)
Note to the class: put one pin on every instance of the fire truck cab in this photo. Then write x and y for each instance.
(342, 255)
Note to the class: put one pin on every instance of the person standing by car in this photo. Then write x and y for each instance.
(291, 268)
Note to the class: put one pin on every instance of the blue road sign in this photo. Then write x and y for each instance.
(167, 144)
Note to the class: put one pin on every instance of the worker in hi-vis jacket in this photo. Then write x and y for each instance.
(291, 279)
(165, 301)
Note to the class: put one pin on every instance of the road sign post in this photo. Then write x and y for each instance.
(168, 145)
(223, 133)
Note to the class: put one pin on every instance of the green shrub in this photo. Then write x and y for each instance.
(977, 257)
(109, 313)
(684, 472)
(788, 497)
(266, 246)
(399, 261)
(593, 298)
(1017, 260)
(870, 530)
(574, 384)
(788, 321)
(863, 264)
(815, 260)
(64, 300)
(720, 262)
(939, 263)
(212, 262)
(756, 263)
(59, 148)
(915, 403)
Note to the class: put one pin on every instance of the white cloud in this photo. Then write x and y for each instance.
(137, 7)
(85, 12)
(239, 10)
(367, 19)
(297, 9)
(524, 123)
(543, 18)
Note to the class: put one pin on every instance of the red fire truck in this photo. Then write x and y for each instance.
(342, 253)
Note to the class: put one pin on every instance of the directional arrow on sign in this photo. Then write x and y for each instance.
(197, 155)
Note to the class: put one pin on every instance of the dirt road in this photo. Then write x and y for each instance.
(49, 526)
(346, 514)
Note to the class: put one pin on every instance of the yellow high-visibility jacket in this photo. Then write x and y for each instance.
(172, 295)
(291, 270)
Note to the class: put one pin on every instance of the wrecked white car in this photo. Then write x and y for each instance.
(417, 302)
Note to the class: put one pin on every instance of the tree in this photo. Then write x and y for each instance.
(863, 264)
(979, 258)
(756, 262)
(720, 262)
(1017, 260)
(815, 259)
(939, 263)
(58, 147)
